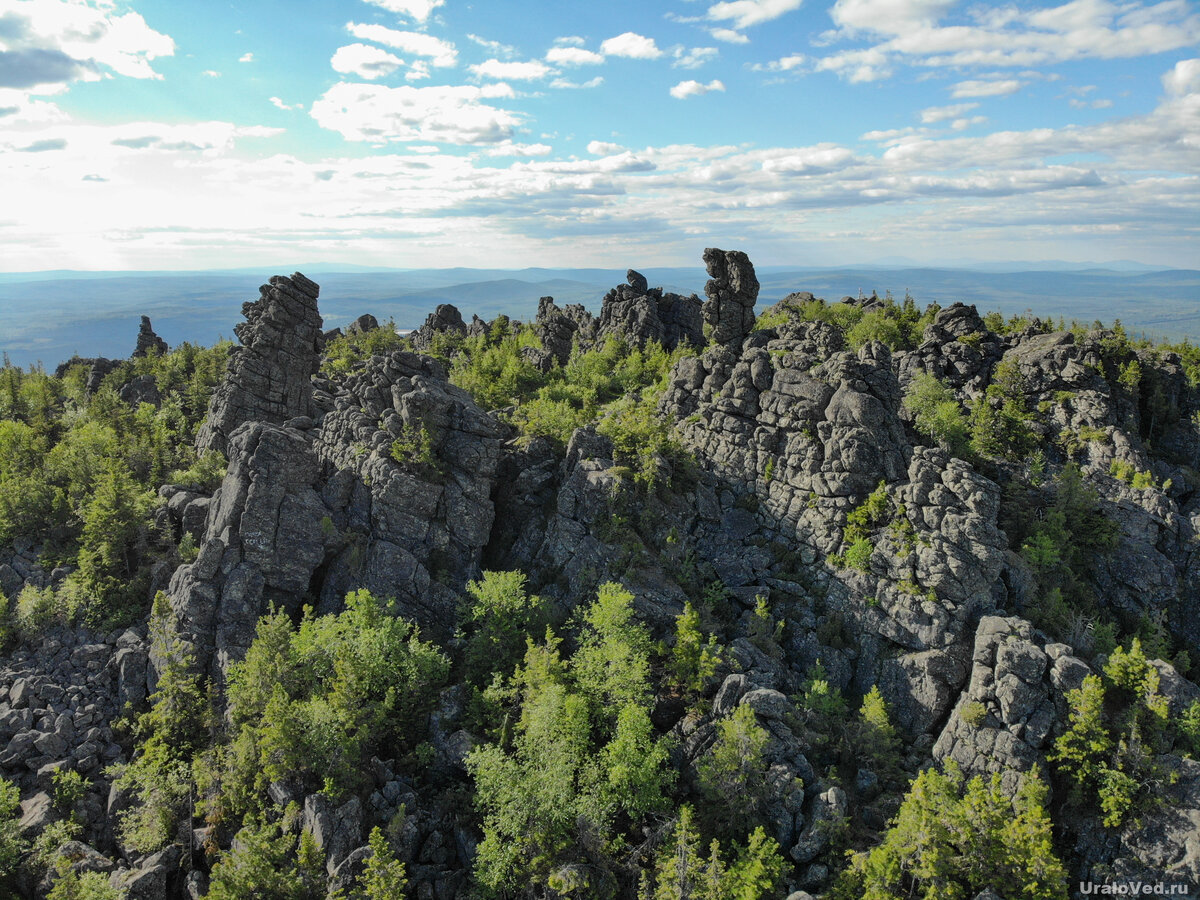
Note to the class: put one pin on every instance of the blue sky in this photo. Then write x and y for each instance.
(170, 134)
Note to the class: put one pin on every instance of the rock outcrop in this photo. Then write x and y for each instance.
(410, 464)
(732, 291)
(148, 342)
(263, 541)
(640, 313)
(446, 319)
(269, 377)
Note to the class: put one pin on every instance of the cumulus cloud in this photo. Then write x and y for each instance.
(573, 56)
(453, 114)
(418, 71)
(912, 31)
(364, 61)
(729, 36)
(817, 160)
(516, 71)
(440, 53)
(942, 113)
(784, 64)
(413, 9)
(632, 46)
(986, 88)
(746, 13)
(246, 57)
(1183, 79)
(693, 58)
(603, 148)
(279, 104)
(692, 88)
(49, 43)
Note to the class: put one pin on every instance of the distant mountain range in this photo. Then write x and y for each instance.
(49, 316)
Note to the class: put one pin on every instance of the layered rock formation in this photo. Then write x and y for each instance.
(270, 374)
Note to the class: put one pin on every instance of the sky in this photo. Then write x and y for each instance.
(176, 134)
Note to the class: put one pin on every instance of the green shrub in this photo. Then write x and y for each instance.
(682, 871)
(414, 448)
(973, 713)
(499, 618)
(956, 838)
(858, 556)
(937, 415)
(693, 659)
(732, 774)
(12, 844)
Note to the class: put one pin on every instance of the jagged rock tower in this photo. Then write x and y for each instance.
(147, 340)
(732, 292)
(269, 375)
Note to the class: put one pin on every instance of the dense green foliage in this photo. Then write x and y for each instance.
(78, 473)
(1118, 725)
(937, 414)
(11, 842)
(583, 764)
(615, 386)
(315, 701)
(954, 838)
(684, 873)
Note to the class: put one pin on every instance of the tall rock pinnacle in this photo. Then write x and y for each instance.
(269, 375)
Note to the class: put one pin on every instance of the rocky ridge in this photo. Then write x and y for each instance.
(391, 478)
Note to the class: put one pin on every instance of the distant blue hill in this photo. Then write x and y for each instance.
(51, 316)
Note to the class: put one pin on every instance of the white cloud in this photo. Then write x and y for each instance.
(871, 64)
(508, 148)
(49, 43)
(570, 40)
(211, 73)
(942, 113)
(693, 88)
(517, 71)
(1183, 79)
(818, 160)
(449, 114)
(568, 84)
(364, 61)
(418, 71)
(785, 64)
(493, 47)
(911, 30)
(573, 56)
(729, 36)
(694, 57)
(631, 45)
(246, 57)
(414, 9)
(440, 53)
(746, 13)
(603, 148)
(888, 16)
(986, 88)
(279, 104)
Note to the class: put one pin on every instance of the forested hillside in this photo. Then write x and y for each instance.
(688, 599)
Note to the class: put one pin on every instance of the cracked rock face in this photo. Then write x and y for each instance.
(269, 376)
(263, 540)
(410, 464)
(732, 291)
(640, 313)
